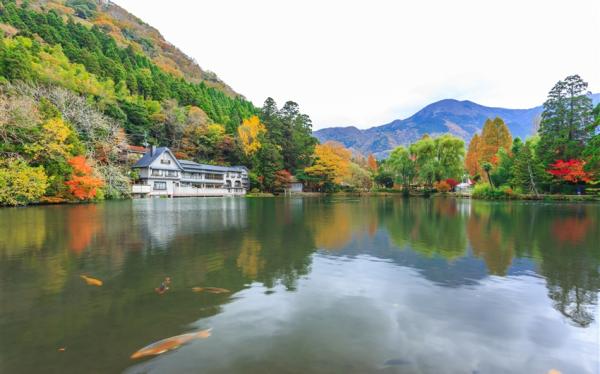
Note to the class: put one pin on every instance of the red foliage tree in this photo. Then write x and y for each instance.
(282, 179)
(452, 183)
(83, 185)
(570, 171)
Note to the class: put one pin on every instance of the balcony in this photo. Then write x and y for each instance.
(140, 188)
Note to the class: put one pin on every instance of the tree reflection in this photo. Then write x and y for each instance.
(570, 260)
(431, 227)
(488, 239)
(83, 222)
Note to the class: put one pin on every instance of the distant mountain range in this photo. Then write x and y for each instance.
(461, 118)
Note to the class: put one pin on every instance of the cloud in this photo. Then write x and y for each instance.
(367, 63)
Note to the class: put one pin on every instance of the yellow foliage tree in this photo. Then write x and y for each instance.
(249, 132)
(52, 143)
(332, 162)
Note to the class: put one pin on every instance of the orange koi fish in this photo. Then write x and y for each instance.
(91, 281)
(210, 289)
(169, 344)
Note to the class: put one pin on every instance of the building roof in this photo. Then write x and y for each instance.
(184, 165)
(194, 166)
(149, 157)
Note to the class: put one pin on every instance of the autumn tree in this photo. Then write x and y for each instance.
(571, 171)
(332, 163)
(21, 184)
(473, 156)
(83, 185)
(495, 135)
(372, 163)
(248, 133)
(283, 178)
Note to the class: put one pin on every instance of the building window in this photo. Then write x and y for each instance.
(171, 173)
(160, 186)
(156, 173)
(166, 162)
(214, 176)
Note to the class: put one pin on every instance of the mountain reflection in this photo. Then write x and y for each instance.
(232, 243)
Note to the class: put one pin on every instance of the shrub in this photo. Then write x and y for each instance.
(487, 192)
(442, 186)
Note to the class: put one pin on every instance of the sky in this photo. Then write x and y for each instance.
(366, 63)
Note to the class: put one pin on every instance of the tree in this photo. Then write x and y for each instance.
(384, 178)
(439, 158)
(283, 178)
(21, 184)
(571, 171)
(332, 163)
(249, 132)
(473, 156)
(372, 163)
(403, 166)
(83, 185)
(525, 171)
(494, 136)
(487, 167)
(592, 150)
(359, 177)
(566, 122)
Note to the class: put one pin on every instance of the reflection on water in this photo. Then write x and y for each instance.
(318, 285)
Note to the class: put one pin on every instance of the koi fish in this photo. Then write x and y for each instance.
(62, 349)
(91, 281)
(169, 344)
(553, 371)
(210, 289)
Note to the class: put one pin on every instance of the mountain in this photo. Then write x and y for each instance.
(130, 31)
(461, 118)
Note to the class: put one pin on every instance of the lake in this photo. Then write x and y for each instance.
(318, 285)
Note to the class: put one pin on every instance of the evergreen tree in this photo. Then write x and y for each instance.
(526, 171)
(565, 127)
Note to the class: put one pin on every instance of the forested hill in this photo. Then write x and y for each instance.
(84, 78)
(460, 118)
(129, 30)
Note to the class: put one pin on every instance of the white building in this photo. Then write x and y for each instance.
(162, 174)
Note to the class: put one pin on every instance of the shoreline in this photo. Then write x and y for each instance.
(524, 197)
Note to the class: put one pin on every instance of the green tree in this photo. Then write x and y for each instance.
(566, 122)
(402, 166)
(526, 169)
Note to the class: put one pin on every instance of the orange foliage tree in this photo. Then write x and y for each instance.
(282, 179)
(472, 159)
(495, 135)
(83, 185)
(372, 163)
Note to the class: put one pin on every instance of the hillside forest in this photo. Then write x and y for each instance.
(81, 81)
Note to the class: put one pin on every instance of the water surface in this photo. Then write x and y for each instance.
(319, 285)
